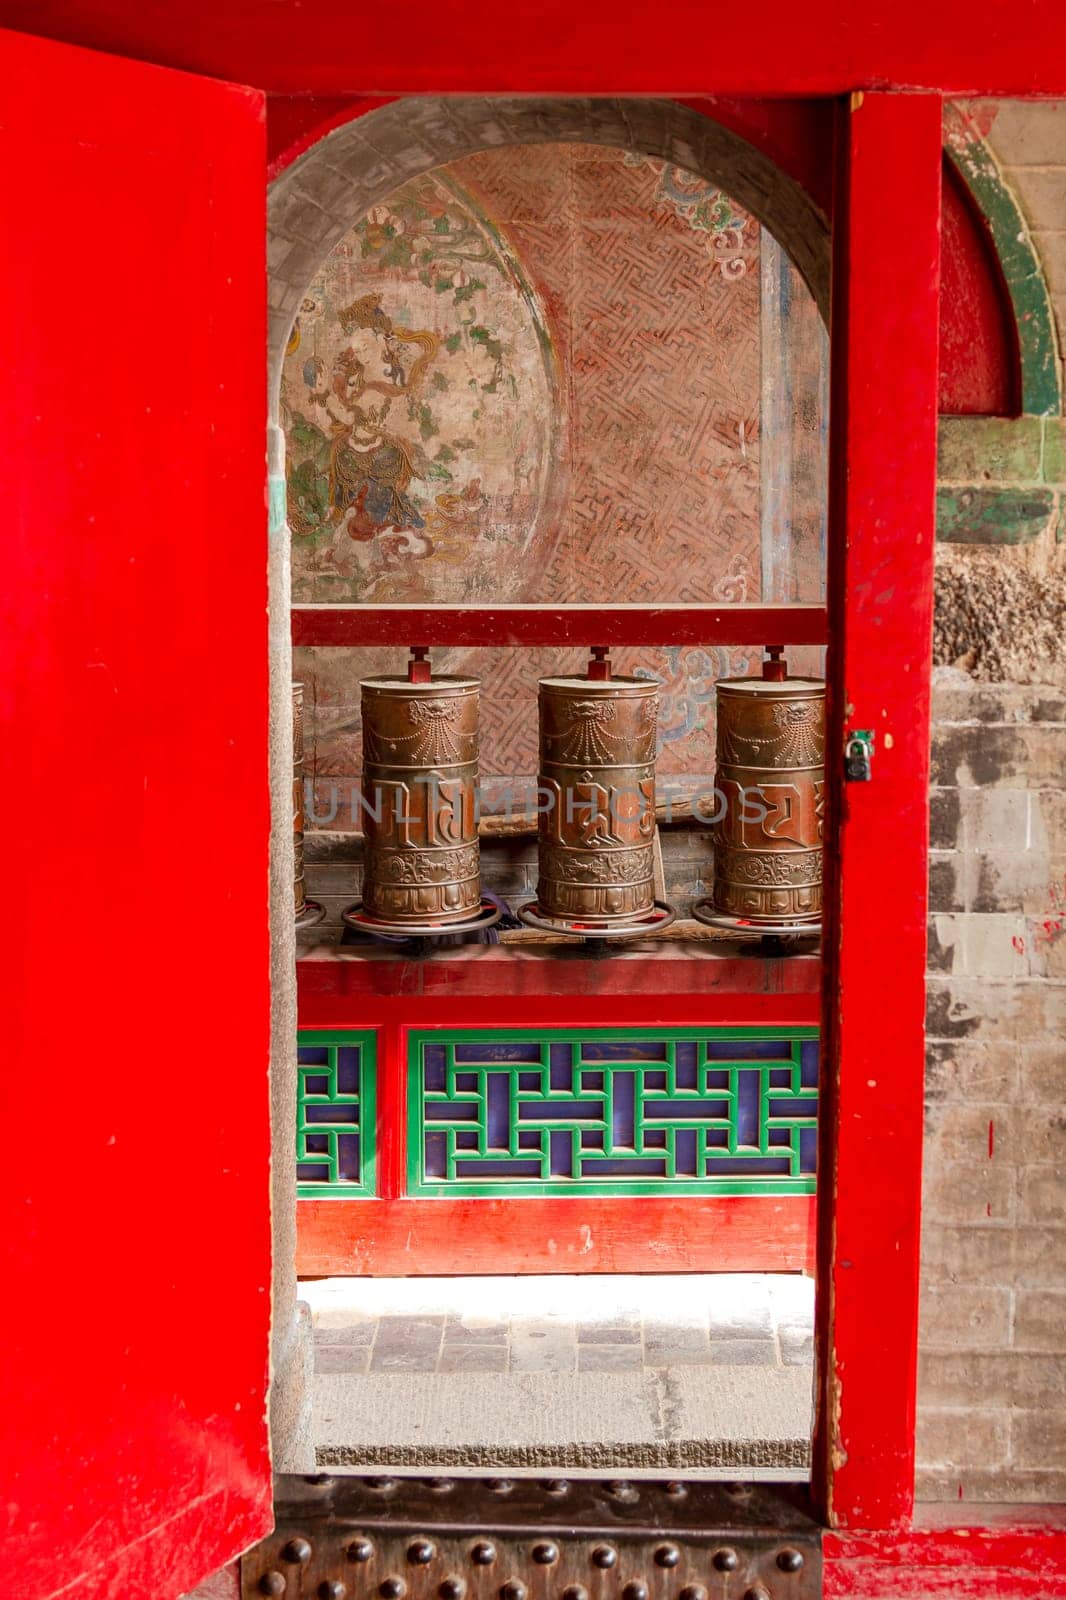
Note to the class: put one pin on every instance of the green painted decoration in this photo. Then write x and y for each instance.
(993, 516)
(593, 1111)
(335, 1075)
(1022, 272)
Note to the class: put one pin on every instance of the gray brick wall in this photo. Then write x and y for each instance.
(992, 1374)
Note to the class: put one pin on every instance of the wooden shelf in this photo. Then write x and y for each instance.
(474, 985)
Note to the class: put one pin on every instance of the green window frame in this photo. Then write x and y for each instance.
(662, 1109)
(363, 1100)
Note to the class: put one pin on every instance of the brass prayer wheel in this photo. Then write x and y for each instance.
(597, 799)
(420, 765)
(770, 753)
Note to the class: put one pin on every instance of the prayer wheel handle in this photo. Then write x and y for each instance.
(774, 670)
(418, 668)
(599, 667)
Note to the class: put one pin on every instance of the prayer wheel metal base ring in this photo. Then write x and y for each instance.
(660, 916)
(311, 913)
(361, 922)
(704, 911)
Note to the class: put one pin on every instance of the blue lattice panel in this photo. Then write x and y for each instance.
(700, 1111)
(335, 1114)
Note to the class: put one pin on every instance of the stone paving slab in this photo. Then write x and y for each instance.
(679, 1419)
(707, 1374)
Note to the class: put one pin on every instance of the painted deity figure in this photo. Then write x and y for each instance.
(371, 465)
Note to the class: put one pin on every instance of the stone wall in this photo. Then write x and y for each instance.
(992, 1379)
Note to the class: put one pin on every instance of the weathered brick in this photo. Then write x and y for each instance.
(1054, 462)
(294, 216)
(332, 878)
(990, 1381)
(979, 946)
(964, 1008)
(1020, 882)
(998, 1487)
(1042, 1195)
(1028, 133)
(995, 819)
(1039, 1257)
(973, 450)
(1044, 1135)
(958, 699)
(962, 1438)
(1040, 1381)
(970, 1255)
(1047, 821)
(945, 815)
(1038, 1438)
(965, 1071)
(1043, 1072)
(954, 1318)
(943, 945)
(977, 1134)
(1046, 940)
(966, 1378)
(1039, 1319)
(946, 888)
(954, 1192)
(1026, 756)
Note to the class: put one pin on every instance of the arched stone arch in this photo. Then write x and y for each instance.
(972, 159)
(319, 197)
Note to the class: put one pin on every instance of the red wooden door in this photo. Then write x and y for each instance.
(135, 1222)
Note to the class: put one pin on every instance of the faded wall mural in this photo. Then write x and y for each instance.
(536, 374)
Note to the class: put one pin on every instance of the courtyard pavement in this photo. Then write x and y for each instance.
(701, 1373)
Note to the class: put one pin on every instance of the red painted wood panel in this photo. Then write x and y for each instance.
(825, 47)
(135, 1101)
(502, 626)
(883, 472)
(653, 1233)
(980, 371)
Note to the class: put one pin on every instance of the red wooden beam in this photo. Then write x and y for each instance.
(825, 47)
(495, 986)
(880, 580)
(577, 626)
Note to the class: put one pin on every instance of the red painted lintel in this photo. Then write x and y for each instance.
(546, 626)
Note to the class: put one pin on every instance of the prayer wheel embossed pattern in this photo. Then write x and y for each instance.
(597, 799)
(420, 755)
(771, 776)
(299, 896)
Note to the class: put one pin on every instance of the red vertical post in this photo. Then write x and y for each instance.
(880, 597)
(392, 1111)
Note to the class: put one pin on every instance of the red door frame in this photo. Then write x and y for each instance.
(884, 352)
